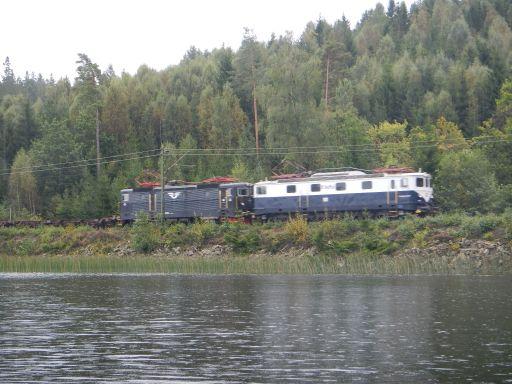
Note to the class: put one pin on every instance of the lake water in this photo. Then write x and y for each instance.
(262, 329)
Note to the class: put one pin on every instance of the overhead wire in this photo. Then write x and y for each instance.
(276, 150)
(234, 152)
(77, 166)
(92, 161)
(367, 145)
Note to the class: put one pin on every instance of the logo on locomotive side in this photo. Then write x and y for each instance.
(173, 195)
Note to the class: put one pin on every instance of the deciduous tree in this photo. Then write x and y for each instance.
(22, 184)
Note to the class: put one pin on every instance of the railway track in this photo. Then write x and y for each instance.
(104, 222)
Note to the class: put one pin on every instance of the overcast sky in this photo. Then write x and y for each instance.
(45, 36)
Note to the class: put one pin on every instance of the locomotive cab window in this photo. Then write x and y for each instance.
(420, 182)
(315, 187)
(243, 192)
(404, 182)
(341, 186)
(366, 185)
(126, 197)
(393, 184)
(291, 188)
(261, 190)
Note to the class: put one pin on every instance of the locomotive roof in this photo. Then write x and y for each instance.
(237, 184)
(341, 176)
(188, 186)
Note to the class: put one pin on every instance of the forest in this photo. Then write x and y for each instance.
(428, 87)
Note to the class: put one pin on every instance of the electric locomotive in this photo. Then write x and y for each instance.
(188, 202)
(385, 192)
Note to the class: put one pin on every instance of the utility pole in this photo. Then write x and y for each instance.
(162, 182)
(162, 179)
(327, 83)
(255, 110)
(97, 143)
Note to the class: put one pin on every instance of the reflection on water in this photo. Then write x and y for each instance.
(111, 328)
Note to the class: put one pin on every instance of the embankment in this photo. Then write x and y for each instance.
(445, 244)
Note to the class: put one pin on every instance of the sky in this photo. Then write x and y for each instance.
(46, 36)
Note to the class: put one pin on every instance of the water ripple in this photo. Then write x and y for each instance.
(217, 329)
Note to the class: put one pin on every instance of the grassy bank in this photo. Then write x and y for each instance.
(447, 243)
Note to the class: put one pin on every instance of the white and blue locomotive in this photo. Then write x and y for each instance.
(332, 193)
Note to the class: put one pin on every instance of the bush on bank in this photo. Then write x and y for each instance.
(332, 238)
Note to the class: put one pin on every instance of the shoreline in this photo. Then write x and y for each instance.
(446, 244)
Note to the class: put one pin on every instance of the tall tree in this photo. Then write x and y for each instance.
(503, 112)
(18, 126)
(337, 57)
(57, 155)
(392, 144)
(479, 85)
(8, 86)
(86, 106)
(291, 103)
(247, 74)
(465, 180)
(495, 136)
(178, 119)
(22, 184)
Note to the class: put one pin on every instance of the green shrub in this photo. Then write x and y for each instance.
(297, 231)
(174, 234)
(364, 225)
(488, 223)
(507, 223)
(243, 239)
(420, 238)
(382, 223)
(51, 240)
(53, 246)
(201, 232)
(343, 246)
(446, 219)
(377, 246)
(145, 235)
(465, 180)
(327, 231)
(406, 229)
(273, 239)
(476, 226)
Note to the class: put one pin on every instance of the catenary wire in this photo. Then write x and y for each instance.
(238, 151)
(243, 152)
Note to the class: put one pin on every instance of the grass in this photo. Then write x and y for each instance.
(355, 264)
(231, 265)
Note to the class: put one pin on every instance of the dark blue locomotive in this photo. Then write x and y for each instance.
(185, 203)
